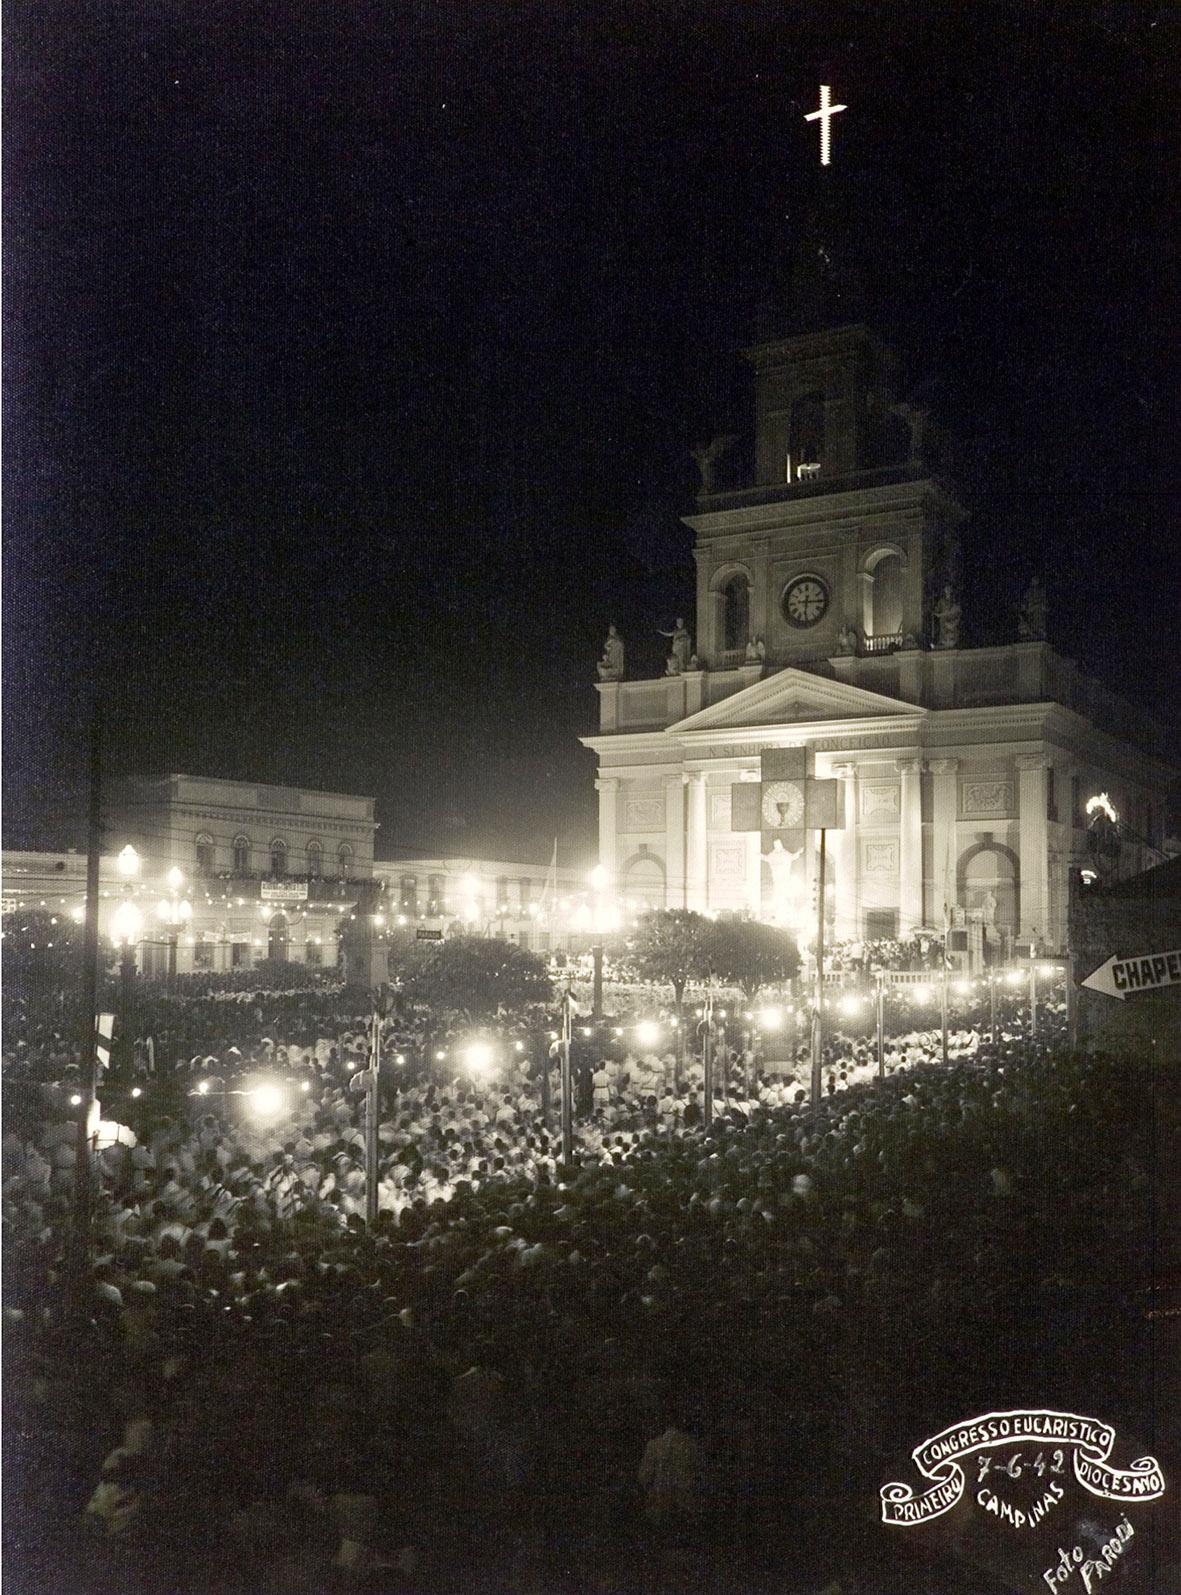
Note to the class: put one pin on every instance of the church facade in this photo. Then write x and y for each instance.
(828, 688)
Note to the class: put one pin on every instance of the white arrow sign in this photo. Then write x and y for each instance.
(1119, 976)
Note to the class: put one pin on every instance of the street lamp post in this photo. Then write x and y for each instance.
(602, 921)
(175, 911)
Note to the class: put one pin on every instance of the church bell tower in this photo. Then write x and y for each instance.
(838, 539)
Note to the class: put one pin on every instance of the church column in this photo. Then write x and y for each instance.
(674, 841)
(608, 790)
(944, 852)
(1035, 862)
(696, 883)
(844, 847)
(910, 848)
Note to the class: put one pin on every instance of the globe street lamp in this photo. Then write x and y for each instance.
(175, 911)
(127, 925)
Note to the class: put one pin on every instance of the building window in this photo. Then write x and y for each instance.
(344, 860)
(1076, 801)
(408, 895)
(502, 891)
(241, 855)
(882, 595)
(735, 614)
(315, 851)
(807, 437)
(434, 894)
(239, 955)
(314, 955)
(278, 939)
(278, 856)
(203, 955)
(205, 854)
(1051, 795)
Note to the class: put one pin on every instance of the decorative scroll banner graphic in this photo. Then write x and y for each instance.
(1091, 1443)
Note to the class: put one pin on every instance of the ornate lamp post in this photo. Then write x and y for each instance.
(174, 911)
(604, 918)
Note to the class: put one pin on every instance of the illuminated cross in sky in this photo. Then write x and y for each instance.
(824, 115)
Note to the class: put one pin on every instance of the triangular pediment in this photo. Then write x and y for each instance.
(797, 697)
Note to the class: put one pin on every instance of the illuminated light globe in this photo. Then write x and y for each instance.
(202, 1088)
(175, 879)
(599, 878)
(920, 994)
(962, 988)
(770, 1018)
(268, 1100)
(1046, 970)
(479, 1056)
(648, 1033)
(849, 1005)
(126, 924)
(1013, 977)
(127, 863)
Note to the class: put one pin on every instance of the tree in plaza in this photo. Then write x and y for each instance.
(669, 949)
(750, 955)
(479, 976)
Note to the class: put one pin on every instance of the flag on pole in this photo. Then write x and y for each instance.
(105, 1029)
(549, 890)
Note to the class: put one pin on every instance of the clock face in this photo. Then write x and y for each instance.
(783, 805)
(805, 601)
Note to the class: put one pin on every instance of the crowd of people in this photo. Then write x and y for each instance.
(642, 1369)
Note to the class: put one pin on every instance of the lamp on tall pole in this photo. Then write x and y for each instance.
(604, 917)
(127, 925)
(175, 911)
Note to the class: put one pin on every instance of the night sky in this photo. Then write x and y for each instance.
(354, 353)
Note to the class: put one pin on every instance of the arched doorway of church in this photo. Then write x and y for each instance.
(643, 883)
(278, 938)
(988, 883)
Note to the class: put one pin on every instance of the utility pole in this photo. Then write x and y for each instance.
(707, 1062)
(881, 1026)
(1032, 990)
(943, 998)
(818, 1020)
(567, 1084)
(381, 1007)
(83, 1174)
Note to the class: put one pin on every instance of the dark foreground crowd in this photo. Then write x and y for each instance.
(683, 1361)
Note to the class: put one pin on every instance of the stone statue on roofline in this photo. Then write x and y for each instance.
(847, 640)
(707, 456)
(681, 651)
(1031, 613)
(947, 620)
(610, 666)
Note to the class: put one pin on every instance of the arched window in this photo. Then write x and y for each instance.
(882, 595)
(278, 856)
(807, 437)
(205, 854)
(409, 895)
(434, 894)
(344, 860)
(315, 852)
(241, 855)
(735, 613)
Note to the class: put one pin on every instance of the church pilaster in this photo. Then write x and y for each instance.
(844, 845)
(1035, 864)
(910, 848)
(944, 774)
(674, 830)
(608, 790)
(696, 883)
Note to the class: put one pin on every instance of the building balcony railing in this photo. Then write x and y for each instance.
(883, 645)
